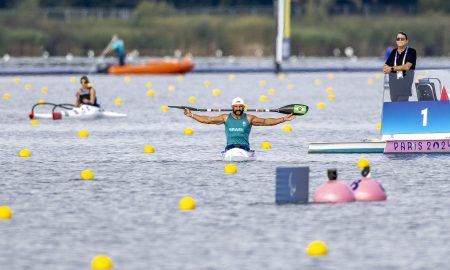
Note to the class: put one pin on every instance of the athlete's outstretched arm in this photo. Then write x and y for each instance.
(256, 121)
(220, 119)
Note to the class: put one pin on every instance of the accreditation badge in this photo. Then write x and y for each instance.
(399, 75)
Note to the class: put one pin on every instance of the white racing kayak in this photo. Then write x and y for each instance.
(238, 154)
(82, 112)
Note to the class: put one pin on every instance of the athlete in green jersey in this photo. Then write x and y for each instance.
(238, 124)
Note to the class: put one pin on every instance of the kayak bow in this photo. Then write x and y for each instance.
(238, 154)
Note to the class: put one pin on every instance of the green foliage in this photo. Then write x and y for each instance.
(433, 6)
(316, 41)
(23, 5)
(317, 10)
(152, 8)
(30, 36)
(24, 41)
(27, 12)
(204, 34)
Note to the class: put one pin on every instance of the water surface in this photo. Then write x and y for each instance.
(130, 211)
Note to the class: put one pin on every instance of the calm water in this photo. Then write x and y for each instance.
(130, 211)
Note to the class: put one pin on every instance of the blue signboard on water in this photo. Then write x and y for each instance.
(416, 117)
(292, 185)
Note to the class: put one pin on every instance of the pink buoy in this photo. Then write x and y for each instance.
(368, 189)
(333, 191)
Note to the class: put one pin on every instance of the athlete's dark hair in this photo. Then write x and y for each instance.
(402, 33)
(84, 78)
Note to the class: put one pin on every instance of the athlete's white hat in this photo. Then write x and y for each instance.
(237, 101)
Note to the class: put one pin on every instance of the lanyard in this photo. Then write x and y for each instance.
(404, 57)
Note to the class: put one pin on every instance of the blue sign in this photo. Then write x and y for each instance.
(292, 185)
(416, 117)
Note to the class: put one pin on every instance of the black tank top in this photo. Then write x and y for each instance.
(86, 94)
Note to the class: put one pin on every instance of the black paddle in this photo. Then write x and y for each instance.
(296, 109)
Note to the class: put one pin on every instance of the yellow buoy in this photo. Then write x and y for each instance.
(317, 248)
(127, 79)
(263, 98)
(271, 91)
(41, 101)
(101, 262)
(330, 90)
(27, 86)
(231, 77)
(187, 203)
(87, 175)
(245, 107)
(379, 125)
(188, 131)
(362, 163)
(6, 96)
(230, 169)
(89, 84)
(262, 83)
(290, 86)
(16, 80)
(44, 90)
(378, 75)
(320, 105)
(192, 99)
(216, 92)
(370, 81)
(317, 82)
(330, 76)
(34, 122)
(281, 77)
(331, 97)
(118, 101)
(206, 83)
(287, 128)
(73, 79)
(180, 78)
(149, 149)
(149, 85)
(171, 88)
(266, 145)
(5, 212)
(83, 133)
(24, 153)
(150, 93)
(164, 108)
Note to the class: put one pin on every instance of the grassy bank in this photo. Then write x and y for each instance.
(24, 33)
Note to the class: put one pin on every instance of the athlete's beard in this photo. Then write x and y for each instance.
(238, 112)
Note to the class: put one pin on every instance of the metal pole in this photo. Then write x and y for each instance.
(279, 35)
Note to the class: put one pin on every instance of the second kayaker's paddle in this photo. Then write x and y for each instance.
(296, 109)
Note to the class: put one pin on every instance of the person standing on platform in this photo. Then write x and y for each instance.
(400, 66)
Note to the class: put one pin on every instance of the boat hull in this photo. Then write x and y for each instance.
(82, 112)
(154, 67)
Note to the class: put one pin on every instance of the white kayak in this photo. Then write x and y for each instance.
(238, 154)
(82, 112)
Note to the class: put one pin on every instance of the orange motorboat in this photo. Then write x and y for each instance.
(154, 67)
